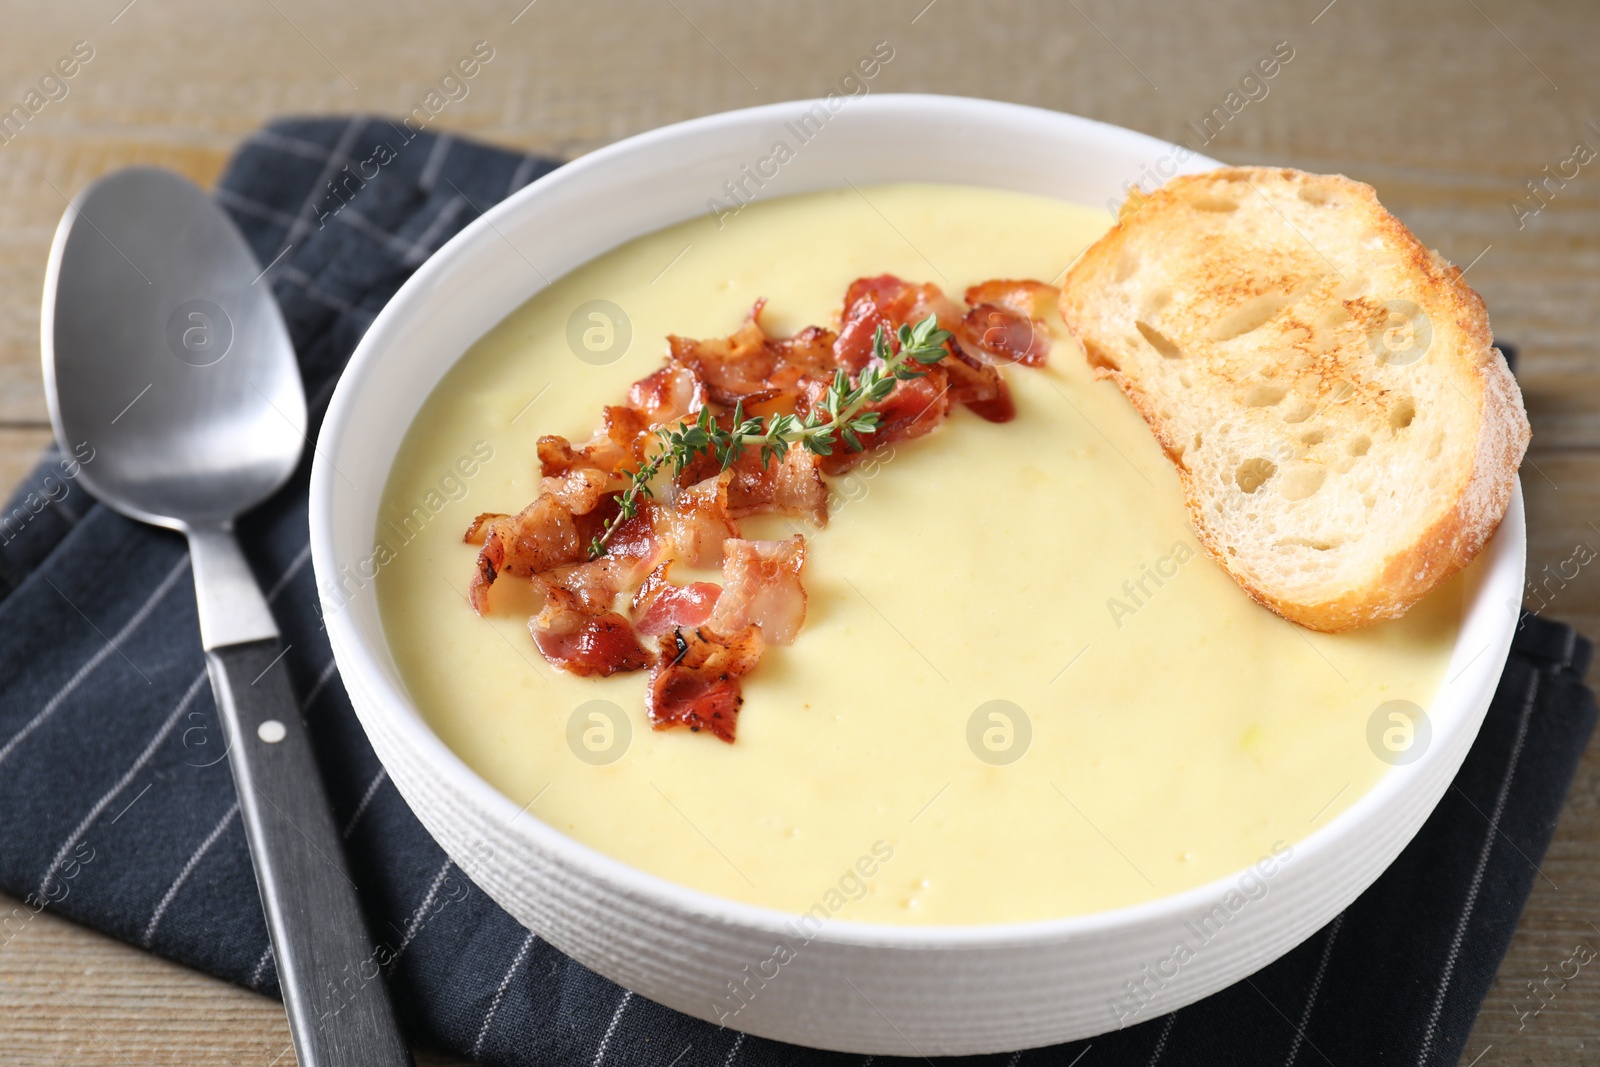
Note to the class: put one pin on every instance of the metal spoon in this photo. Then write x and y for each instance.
(165, 351)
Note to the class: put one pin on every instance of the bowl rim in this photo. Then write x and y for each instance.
(1478, 677)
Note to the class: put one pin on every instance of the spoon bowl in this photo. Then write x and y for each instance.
(165, 351)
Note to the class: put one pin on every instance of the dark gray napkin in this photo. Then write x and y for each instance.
(117, 808)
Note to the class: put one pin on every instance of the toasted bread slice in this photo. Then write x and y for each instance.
(1346, 434)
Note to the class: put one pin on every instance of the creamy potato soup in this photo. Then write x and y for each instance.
(1021, 691)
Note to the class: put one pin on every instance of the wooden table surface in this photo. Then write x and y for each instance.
(1450, 108)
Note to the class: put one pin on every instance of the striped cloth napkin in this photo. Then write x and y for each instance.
(117, 808)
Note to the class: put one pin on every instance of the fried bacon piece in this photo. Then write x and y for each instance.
(731, 367)
(614, 445)
(893, 303)
(915, 408)
(557, 456)
(595, 584)
(631, 552)
(580, 488)
(660, 607)
(602, 641)
(478, 529)
(852, 348)
(554, 532)
(620, 439)
(978, 385)
(1004, 326)
(695, 681)
(585, 642)
(698, 523)
(1004, 336)
(636, 538)
(808, 354)
(667, 395)
(592, 523)
(749, 365)
(792, 486)
(761, 587)
(868, 304)
(1007, 321)
(537, 538)
(1026, 297)
(611, 446)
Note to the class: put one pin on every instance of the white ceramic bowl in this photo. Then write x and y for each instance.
(856, 987)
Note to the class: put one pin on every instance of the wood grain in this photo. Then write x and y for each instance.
(72, 996)
(1447, 107)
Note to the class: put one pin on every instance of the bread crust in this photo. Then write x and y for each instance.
(1446, 545)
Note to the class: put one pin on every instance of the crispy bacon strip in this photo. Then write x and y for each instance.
(478, 529)
(1006, 322)
(698, 523)
(978, 385)
(634, 549)
(793, 486)
(914, 408)
(1026, 297)
(852, 348)
(1004, 336)
(667, 395)
(558, 457)
(582, 642)
(761, 587)
(580, 488)
(537, 538)
(731, 367)
(894, 303)
(660, 607)
(695, 681)
(595, 584)
(808, 354)
(752, 366)
(637, 539)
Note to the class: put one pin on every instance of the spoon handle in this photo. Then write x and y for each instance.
(330, 973)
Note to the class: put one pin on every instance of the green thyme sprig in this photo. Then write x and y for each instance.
(839, 419)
